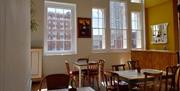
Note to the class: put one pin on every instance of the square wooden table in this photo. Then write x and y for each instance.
(133, 77)
(78, 89)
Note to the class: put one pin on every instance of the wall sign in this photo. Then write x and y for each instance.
(159, 33)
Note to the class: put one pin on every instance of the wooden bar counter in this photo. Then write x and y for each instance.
(155, 59)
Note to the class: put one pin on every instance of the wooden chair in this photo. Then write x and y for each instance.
(55, 81)
(122, 84)
(157, 81)
(101, 64)
(110, 81)
(118, 67)
(170, 77)
(133, 64)
(93, 71)
(72, 74)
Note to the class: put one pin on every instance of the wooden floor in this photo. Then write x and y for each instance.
(35, 86)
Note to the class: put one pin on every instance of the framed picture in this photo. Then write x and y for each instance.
(84, 27)
(159, 33)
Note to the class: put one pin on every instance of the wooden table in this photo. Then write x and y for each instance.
(78, 89)
(83, 65)
(133, 77)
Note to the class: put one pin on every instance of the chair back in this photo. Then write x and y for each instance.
(132, 64)
(111, 83)
(156, 83)
(93, 68)
(101, 63)
(118, 67)
(55, 81)
(68, 67)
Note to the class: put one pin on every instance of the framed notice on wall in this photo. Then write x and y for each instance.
(84, 27)
(159, 33)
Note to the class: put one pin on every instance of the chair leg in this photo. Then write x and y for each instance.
(76, 81)
(84, 80)
(89, 80)
(98, 87)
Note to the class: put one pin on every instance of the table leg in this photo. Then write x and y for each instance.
(79, 76)
(99, 75)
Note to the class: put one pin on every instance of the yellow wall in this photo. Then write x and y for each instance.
(161, 13)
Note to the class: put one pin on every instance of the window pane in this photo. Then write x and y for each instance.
(135, 20)
(95, 13)
(136, 44)
(124, 44)
(118, 44)
(124, 34)
(95, 23)
(95, 32)
(119, 35)
(51, 45)
(98, 37)
(95, 44)
(101, 14)
(59, 45)
(101, 23)
(67, 45)
(139, 44)
(136, 29)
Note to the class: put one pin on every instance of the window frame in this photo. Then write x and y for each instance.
(140, 29)
(60, 5)
(120, 29)
(130, 8)
(100, 50)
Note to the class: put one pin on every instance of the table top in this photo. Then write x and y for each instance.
(78, 89)
(129, 75)
(84, 63)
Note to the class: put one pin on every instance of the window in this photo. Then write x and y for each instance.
(118, 25)
(126, 25)
(136, 26)
(136, 1)
(98, 25)
(60, 28)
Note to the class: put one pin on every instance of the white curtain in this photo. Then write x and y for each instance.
(15, 45)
